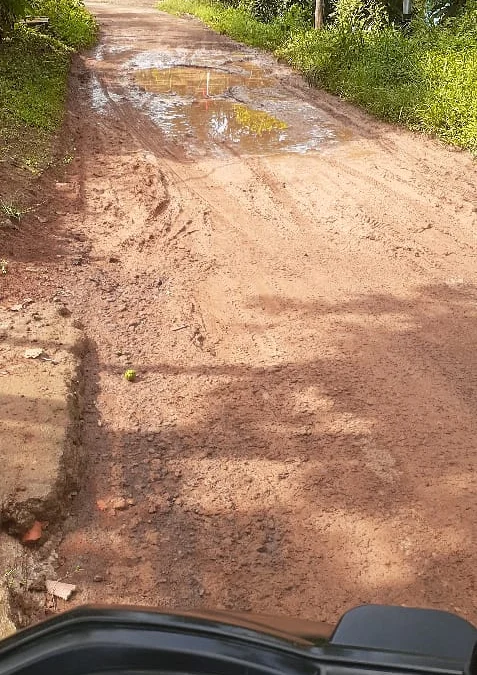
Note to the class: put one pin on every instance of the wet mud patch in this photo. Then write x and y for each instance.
(206, 122)
(200, 82)
(238, 104)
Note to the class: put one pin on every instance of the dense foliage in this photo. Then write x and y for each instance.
(10, 11)
(268, 10)
(34, 65)
(424, 75)
(70, 22)
(25, 94)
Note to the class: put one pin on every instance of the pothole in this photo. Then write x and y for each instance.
(222, 121)
(200, 82)
(242, 106)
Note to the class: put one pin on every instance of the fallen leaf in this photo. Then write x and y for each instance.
(102, 504)
(34, 533)
(59, 589)
(34, 353)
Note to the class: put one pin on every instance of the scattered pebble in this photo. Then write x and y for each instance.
(119, 504)
(60, 589)
(33, 353)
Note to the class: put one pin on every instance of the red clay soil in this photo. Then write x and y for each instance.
(301, 436)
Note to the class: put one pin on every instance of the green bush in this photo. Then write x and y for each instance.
(268, 10)
(427, 80)
(235, 22)
(239, 23)
(34, 68)
(70, 21)
(34, 65)
(10, 11)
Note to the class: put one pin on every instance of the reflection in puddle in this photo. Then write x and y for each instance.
(256, 121)
(225, 121)
(197, 106)
(200, 82)
(218, 121)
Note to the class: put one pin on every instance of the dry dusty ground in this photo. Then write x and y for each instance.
(301, 437)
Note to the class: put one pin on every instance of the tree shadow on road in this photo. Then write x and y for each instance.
(301, 488)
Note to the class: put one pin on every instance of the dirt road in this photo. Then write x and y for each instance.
(294, 284)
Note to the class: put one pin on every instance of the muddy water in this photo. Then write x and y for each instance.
(237, 104)
(201, 82)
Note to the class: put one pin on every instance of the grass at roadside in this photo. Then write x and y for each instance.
(33, 72)
(232, 21)
(33, 77)
(426, 80)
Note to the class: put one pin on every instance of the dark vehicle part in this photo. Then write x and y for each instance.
(368, 640)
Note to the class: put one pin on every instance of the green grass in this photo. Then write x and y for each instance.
(426, 80)
(34, 70)
(33, 73)
(235, 22)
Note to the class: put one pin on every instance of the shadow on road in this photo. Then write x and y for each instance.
(331, 479)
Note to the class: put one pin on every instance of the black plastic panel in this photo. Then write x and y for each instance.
(127, 641)
(403, 629)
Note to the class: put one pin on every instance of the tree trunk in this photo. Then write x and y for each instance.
(319, 14)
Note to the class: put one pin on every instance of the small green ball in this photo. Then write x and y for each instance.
(130, 375)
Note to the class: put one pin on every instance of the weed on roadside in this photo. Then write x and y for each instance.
(34, 69)
(11, 213)
(233, 21)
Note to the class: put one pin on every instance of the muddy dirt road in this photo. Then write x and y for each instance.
(295, 285)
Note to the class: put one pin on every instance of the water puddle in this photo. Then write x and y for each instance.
(221, 121)
(237, 104)
(200, 82)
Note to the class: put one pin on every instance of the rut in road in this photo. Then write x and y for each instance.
(302, 316)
